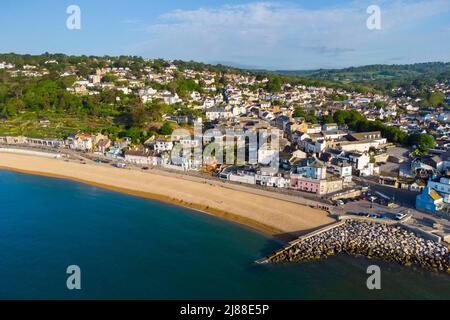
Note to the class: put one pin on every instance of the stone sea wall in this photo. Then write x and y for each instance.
(370, 239)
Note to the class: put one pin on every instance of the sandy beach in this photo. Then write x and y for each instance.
(272, 216)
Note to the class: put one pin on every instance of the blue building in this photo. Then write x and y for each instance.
(429, 200)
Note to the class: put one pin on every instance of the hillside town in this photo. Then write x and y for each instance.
(333, 143)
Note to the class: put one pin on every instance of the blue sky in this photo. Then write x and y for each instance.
(269, 34)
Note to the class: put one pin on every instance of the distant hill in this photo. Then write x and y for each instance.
(374, 72)
(380, 76)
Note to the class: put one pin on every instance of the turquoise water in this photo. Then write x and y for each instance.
(133, 248)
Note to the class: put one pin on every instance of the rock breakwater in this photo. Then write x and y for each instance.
(370, 239)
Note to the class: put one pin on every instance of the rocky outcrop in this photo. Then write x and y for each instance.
(373, 240)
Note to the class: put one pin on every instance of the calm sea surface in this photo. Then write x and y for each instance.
(133, 248)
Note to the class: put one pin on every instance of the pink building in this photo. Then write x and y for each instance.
(301, 183)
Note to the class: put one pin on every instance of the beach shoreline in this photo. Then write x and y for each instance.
(277, 218)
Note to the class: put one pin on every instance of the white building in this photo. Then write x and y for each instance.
(142, 157)
(442, 186)
(216, 114)
(81, 142)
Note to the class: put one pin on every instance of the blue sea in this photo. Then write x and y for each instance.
(133, 248)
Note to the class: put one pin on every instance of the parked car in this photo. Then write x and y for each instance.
(374, 216)
(400, 216)
(340, 202)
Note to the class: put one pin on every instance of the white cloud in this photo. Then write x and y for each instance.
(286, 35)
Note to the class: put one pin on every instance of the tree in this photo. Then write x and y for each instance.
(139, 116)
(166, 129)
(421, 141)
(327, 119)
(299, 112)
(339, 117)
(436, 99)
(133, 133)
(109, 77)
(274, 85)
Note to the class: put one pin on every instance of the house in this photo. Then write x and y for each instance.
(297, 155)
(271, 178)
(318, 186)
(238, 110)
(311, 146)
(6, 65)
(217, 113)
(341, 168)
(113, 152)
(80, 142)
(330, 127)
(314, 128)
(298, 125)
(370, 170)
(243, 176)
(170, 98)
(122, 143)
(142, 157)
(13, 140)
(311, 168)
(101, 142)
(417, 186)
(358, 160)
(429, 200)
(159, 145)
(441, 185)
(54, 143)
(102, 145)
(440, 162)
(310, 175)
(360, 142)
(95, 78)
(281, 122)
